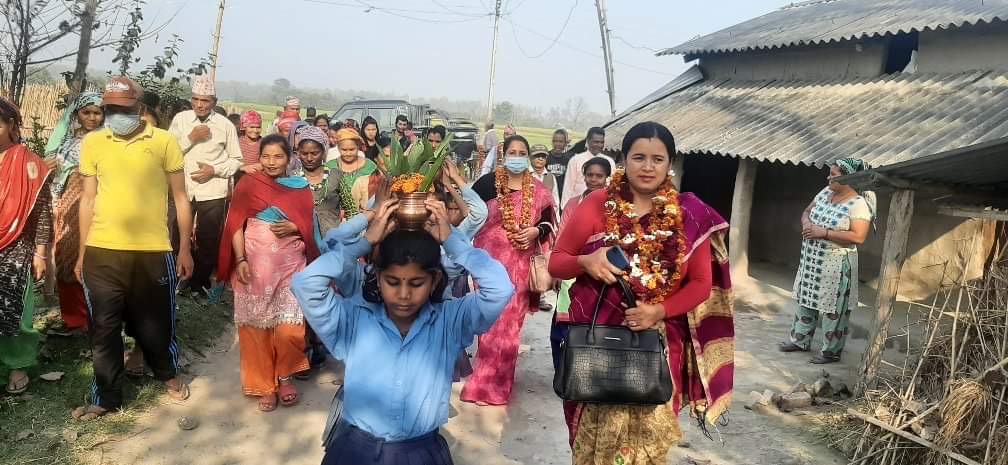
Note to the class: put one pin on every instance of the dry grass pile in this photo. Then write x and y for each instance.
(947, 403)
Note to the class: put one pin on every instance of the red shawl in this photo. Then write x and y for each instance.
(22, 177)
(255, 193)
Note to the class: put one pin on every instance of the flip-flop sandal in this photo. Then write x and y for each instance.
(180, 394)
(270, 405)
(289, 394)
(15, 386)
(88, 413)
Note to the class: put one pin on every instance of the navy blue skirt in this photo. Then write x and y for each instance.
(353, 446)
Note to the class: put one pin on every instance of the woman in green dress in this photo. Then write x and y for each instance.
(25, 233)
(833, 225)
(351, 166)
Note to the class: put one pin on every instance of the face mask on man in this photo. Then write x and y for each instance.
(516, 165)
(122, 124)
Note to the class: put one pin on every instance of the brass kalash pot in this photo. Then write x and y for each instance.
(412, 214)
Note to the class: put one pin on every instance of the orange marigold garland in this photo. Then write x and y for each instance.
(651, 275)
(508, 221)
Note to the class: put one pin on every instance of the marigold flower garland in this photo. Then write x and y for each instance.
(508, 221)
(651, 275)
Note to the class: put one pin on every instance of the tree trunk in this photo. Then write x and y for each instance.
(79, 82)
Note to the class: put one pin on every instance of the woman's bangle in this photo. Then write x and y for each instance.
(242, 259)
(827, 234)
(43, 257)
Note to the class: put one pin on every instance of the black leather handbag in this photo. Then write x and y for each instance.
(612, 364)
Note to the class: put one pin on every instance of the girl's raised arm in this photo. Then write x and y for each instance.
(476, 312)
(324, 306)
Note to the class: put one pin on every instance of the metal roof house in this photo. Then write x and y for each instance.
(769, 102)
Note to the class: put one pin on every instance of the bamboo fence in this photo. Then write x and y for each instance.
(44, 101)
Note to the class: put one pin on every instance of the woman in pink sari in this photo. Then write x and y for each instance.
(520, 222)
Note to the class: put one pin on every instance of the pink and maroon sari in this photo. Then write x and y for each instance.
(497, 352)
(701, 347)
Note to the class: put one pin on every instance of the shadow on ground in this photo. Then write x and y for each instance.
(529, 431)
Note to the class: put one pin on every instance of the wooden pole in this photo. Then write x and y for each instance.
(607, 55)
(215, 55)
(893, 255)
(741, 214)
(493, 64)
(913, 437)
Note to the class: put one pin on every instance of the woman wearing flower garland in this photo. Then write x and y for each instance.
(679, 274)
(521, 218)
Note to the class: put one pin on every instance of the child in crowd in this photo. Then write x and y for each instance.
(398, 337)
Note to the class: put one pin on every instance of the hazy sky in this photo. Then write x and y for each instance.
(444, 50)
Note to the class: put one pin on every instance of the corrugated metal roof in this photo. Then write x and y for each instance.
(883, 120)
(689, 77)
(823, 21)
(979, 167)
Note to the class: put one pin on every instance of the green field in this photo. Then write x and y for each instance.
(534, 135)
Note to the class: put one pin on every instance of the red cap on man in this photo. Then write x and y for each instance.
(121, 91)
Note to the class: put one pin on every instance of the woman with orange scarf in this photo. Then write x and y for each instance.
(269, 236)
(25, 232)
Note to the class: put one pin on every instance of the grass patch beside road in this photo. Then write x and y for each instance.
(36, 428)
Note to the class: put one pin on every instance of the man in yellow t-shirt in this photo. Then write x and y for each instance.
(126, 262)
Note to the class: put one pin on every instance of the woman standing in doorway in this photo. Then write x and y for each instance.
(80, 118)
(521, 220)
(833, 225)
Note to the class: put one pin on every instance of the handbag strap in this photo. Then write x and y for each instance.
(598, 305)
(635, 338)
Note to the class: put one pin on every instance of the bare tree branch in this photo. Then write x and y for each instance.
(55, 37)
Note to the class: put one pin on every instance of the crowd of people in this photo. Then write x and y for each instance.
(299, 221)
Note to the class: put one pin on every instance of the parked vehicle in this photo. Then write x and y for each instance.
(385, 112)
(464, 134)
(422, 116)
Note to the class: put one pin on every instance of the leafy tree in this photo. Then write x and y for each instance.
(504, 112)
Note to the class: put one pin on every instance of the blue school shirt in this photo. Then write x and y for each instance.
(397, 388)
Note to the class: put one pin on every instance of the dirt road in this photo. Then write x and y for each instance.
(529, 431)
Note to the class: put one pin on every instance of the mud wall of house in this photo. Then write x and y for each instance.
(978, 47)
(783, 191)
(833, 61)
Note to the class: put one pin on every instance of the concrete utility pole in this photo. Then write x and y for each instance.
(607, 54)
(493, 61)
(216, 46)
(83, 50)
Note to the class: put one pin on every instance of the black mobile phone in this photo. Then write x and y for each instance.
(618, 258)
